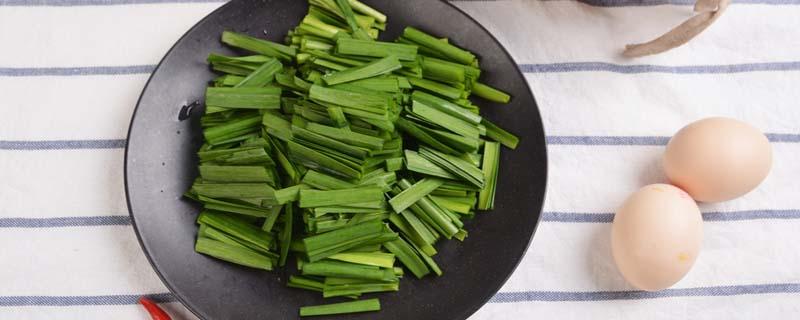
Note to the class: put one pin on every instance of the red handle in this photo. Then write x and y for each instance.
(155, 311)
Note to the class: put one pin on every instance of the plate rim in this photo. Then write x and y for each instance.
(469, 311)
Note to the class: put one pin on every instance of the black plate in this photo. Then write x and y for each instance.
(160, 165)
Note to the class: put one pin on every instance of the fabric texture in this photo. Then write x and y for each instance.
(71, 71)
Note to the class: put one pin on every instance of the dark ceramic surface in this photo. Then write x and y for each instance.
(160, 165)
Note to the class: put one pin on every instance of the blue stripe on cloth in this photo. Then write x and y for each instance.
(547, 216)
(60, 222)
(716, 291)
(527, 68)
(764, 214)
(18, 301)
(62, 144)
(645, 140)
(551, 140)
(75, 71)
(649, 68)
(500, 297)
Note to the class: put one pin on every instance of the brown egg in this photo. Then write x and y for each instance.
(656, 236)
(717, 159)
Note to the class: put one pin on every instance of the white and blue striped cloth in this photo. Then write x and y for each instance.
(71, 71)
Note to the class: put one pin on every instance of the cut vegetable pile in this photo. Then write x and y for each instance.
(355, 154)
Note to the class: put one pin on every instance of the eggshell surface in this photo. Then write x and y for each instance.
(717, 159)
(656, 236)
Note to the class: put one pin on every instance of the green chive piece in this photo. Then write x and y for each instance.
(376, 49)
(235, 173)
(325, 182)
(497, 134)
(394, 164)
(286, 234)
(412, 194)
(234, 190)
(428, 260)
(378, 259)
(301, 282)
(347, 136)
(446, 107)
(459, 167)
(449, 204)
(352, 100)
(375, 68)
(317, 198)
(232, 253)
(261, 76)
(337, 115)
(382, 84)
(491, 165)
(410, 259)
(329, 268)
(289, 194)
(237, 228)
(330, 243)
(427, 210)
(341, 290)
(367, 10)
(315, 159)
(437, 87)
(417, 163)
(434, 69)
(445, 120)
(226, 206)
(445, 48)
(489, 93)
(259, 46)
(342, 307)
(414, 130)
(269, 222)
(221, 131)
(349, 16)
(206, 231)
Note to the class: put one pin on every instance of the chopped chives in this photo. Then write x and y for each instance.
(415, 192)
(286, 234)
(459, 55)
(489, 93)
(446, 107)
(376, 49)
(235, 173)
(459, 167)
(317, 198)
(234, 190)
(372, 69)
(340, 308)
(261, 76)
(378, 259)
(259, 46)
(237, 228)
(490, 168)
(417, 163)
(330, 291)
(232, 253)
(498, 134)
(439, 88)
(347, 136)
(406, 254)
(325, 182)
(445, 120)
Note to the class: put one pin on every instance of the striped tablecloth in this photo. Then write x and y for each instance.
(71, 71)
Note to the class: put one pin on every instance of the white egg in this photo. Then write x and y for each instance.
(717, 159)
(656, 236)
